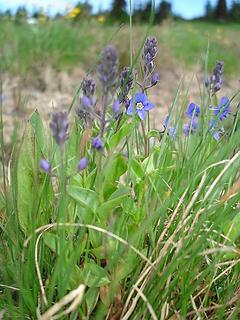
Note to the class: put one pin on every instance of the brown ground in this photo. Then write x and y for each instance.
(51, 90)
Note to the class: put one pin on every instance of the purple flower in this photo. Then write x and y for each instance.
(45, 165)
(97, 143)
(59, 126)
(139, 104)
(193, 110)
(83, 163)
(223, 110)
(155, 79)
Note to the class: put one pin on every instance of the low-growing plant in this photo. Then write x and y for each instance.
(107, 217)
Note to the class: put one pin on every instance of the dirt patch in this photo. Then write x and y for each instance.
(51, 90)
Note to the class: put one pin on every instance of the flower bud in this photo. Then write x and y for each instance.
(97, 143)
(155, 79)
(83, 163)
(44, 165)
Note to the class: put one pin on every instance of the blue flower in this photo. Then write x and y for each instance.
(193, 110)
(141, 104)
(223, 109)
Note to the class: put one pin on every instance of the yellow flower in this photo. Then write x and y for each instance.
(74, 12)
(101, 19)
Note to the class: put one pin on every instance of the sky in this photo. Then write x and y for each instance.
(186, 8)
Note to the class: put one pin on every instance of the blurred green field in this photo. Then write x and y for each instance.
(25, 48)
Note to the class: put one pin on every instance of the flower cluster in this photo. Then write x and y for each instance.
(221, 112)
(193, 111)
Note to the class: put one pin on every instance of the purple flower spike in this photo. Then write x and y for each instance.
(139, 105)
(193, 110)
(83, 163)
(45, 165)
(223, 110)
(59, 126)
(97, 143)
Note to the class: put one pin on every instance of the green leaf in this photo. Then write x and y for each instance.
(39, 132)
(84, 197)
(233, 229)
(112, 171)
(137, 169)
(114, 201)
(123, 132)
(26, 173)
(153, 134)
(95, 276)
(91, 298)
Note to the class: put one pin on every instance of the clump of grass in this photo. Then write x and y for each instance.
(110, 218)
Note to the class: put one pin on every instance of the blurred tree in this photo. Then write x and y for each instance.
(221, 11)
(235, 11)
(209, 10)
(164, 11)
(118, 11)
(21, 15)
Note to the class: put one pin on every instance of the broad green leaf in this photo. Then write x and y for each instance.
(26, 177)
(123, 132)
(114, 201)
(113, 169)
(84, 197)
(137, 169)
(95, 276)
(233, 229)
(39, 132)
(91, 298)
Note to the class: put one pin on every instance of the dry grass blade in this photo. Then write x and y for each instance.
(75, 295)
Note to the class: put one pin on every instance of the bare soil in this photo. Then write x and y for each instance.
(50, 90)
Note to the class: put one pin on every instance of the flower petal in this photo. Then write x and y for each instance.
(140, 97)
(141, 114)
(148, 106)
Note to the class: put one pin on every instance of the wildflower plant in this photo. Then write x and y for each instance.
(108, 218)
